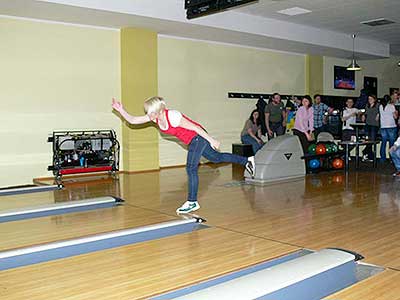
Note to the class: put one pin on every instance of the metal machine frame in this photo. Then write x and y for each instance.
(84, 151)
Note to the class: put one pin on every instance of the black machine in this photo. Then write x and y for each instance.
(199, 8)
(334, 123)
(86, 151)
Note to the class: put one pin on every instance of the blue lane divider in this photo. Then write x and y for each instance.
(319, 286)
(230, 276)
(51, 251)
(26, 190)
(303, 275)
(58, 209)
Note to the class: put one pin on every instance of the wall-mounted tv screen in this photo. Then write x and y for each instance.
(344, 79)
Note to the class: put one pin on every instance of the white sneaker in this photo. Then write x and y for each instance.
(251, 166)
(365, 158)
(188, 207)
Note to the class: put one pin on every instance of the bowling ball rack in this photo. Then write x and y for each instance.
(325, 161)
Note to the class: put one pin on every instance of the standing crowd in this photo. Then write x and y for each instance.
(310, 119)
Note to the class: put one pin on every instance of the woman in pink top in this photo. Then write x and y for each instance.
(304, 123)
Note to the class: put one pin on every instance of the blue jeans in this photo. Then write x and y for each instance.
(248, 139)
(395, 155)
(388, 135)
(199, 147)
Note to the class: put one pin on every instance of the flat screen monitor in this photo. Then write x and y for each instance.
(344, 79)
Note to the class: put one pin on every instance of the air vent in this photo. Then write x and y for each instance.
(377, 22)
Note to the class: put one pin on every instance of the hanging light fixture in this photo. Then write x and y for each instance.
(353, 66)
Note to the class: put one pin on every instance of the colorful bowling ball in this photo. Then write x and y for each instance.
(338, 163)
(334, 148)
(311, 149)
(314, 163)
(328, 148)
(320, 149)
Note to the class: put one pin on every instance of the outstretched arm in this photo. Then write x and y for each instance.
(116, 105)
(200, 131)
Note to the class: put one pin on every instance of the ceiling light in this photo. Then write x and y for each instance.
(294, 11)
(353, 66)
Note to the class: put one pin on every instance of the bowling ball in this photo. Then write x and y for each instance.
(334, 148)
(311, 149)
(314, 163)
(338, 163)
(328, 148)
(320, 149)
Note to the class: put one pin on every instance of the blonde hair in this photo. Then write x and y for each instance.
(154, 105)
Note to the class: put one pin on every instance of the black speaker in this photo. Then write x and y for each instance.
(334, 126)
(242, 150)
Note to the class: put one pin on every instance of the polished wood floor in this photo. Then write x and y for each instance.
(249, 224)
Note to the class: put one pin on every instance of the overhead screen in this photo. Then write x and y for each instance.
(198, 8)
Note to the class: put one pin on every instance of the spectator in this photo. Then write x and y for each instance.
(349, 117)
(395, 155)
(388, 115)
(394, 98)
(275, 117)
(362, 100)
(304, 123)
(261, 104)
(319, 111)
(371, 119)
(251, 132)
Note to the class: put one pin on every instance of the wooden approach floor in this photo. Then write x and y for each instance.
(249, 224)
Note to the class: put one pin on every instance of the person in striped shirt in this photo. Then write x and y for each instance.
(319, 115)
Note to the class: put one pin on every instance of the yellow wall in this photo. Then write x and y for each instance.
(139, 82)
(386, 70)
(53, 77)
(314, 74)
(195, 78)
